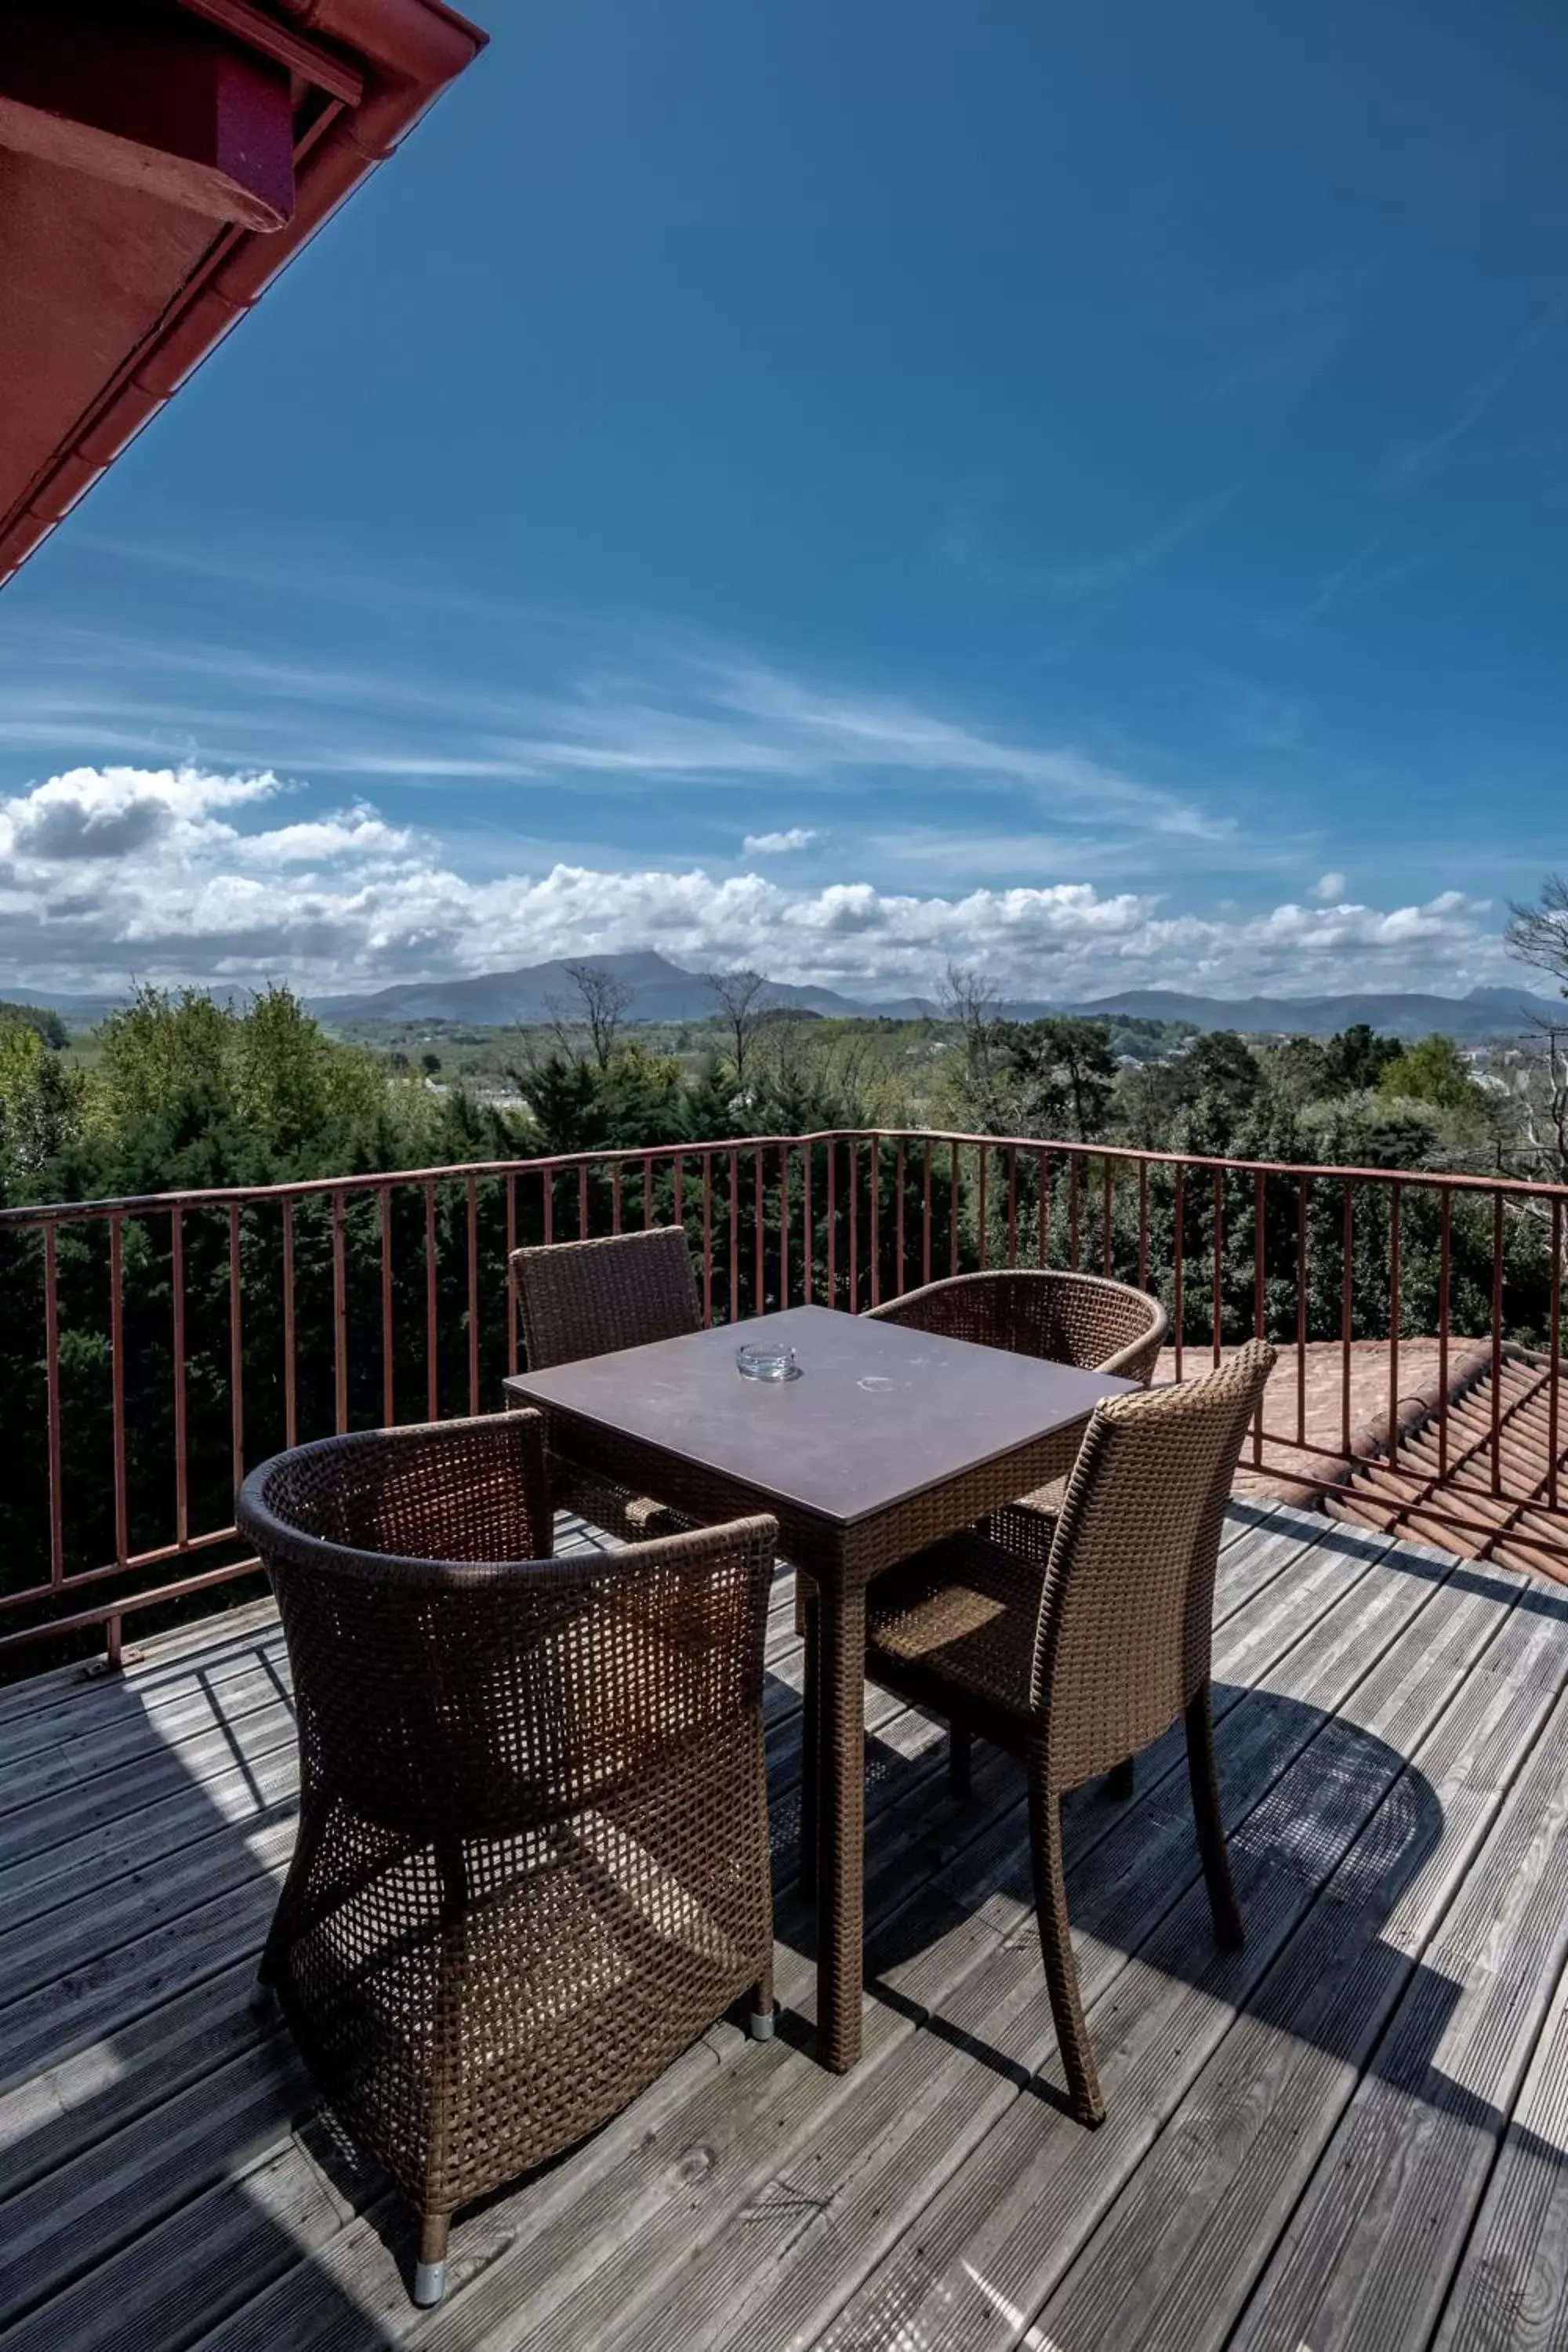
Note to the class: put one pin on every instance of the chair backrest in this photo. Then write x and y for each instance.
(1085, 1319)
(1126, 1619)
(445, 1689)
(588, 1299)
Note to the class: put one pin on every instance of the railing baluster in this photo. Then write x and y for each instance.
(646, 1190)
(339, 1321)
(432, 1361)
(117, 1359)
(1347, 1318)
(900, 1285)
(473, 1221)
(1142, 1224)
(388, 1357)
(808, 1234)
(1554, 1337)
(783, 1225)
(1302, 1218)
(1042, 1209)
(925, 1216)
(1178, 1308)
(759, 1289)
(678, 1204)
(853, 1196)
(1012, 1204)
(236, 1346)
(1497, 1344)
(1075, 1188)
(734, 1314)
(547, 1214)
(510, 1278)
(952, 1214)
(1108, 1214)
(290, 1334)
(582, 1220)
(1219, 1262)
(182, 1437)
(1445, 1264)
(873, 1246)
(708, 1238)
(615, 1196)
(1259, 1302)
(1395, 1309)
(983, 1220)
(833, 1221)
(52, 1404)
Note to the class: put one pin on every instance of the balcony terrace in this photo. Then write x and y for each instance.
(1349, 2134)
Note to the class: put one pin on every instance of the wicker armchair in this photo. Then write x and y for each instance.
(533, 1862)
(1067, 1318)
(589, 1298)
(1075, 1652)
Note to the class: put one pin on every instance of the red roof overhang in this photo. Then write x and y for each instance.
(161, 161)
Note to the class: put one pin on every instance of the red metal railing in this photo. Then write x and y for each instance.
(159, 1345)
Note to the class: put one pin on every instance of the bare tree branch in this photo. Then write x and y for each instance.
(1539, 934)
(742, 998)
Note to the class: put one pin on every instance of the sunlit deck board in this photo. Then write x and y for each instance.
(1394, 1745)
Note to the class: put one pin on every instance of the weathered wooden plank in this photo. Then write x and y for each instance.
(1367, 2257)
(1510, 2294)
(120, 2186)
(989, 2247)
(1173, 2261)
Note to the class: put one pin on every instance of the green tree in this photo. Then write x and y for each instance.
(1357, 1058)
(1433, 1071)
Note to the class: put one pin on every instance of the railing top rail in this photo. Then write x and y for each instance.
(42, 1213)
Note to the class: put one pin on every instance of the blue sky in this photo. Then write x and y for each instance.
(1080, 491)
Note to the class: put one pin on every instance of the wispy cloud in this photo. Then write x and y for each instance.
(1328, 889)
(1287, 333)
(1408, 465)
(964, 546)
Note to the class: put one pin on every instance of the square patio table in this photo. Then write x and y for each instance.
(889, 1439)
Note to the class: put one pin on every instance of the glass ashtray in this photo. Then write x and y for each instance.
(759, 1361)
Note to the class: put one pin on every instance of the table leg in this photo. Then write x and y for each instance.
(841, 1866)
(810, 1742)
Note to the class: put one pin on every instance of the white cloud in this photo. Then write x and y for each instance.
(189, 874)
(779, 844)
(1328, 889)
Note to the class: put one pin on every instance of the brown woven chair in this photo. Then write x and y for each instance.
(1066, 1319)
(590, 1299)
(1074, 1653)
(533, 1862)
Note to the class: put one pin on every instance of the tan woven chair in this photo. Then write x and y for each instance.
(590, 1299)
(533, 1862)
(1074, 1653)
(1066, 1319)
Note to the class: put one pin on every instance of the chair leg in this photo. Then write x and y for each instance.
(759, 2009)
(959, 1759)
(809, 1740)
(1226, 1911)
(430, 2270)
(1121, 1781)
(1055, 1950)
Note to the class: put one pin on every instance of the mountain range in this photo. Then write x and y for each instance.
(662, 991)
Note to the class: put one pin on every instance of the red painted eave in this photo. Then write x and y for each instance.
(155, 287)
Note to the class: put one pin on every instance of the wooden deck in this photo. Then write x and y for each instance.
(1350, 2134)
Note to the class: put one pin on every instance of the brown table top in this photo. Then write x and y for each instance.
(879, 1414)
